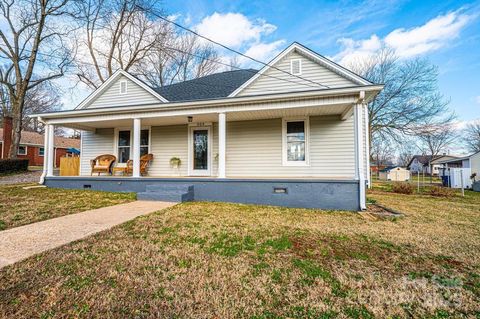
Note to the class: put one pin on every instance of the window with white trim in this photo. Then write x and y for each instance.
(123, 87)
(22, 150)
(124, 143)
(295, 142)
(41, 151)
(296, 66)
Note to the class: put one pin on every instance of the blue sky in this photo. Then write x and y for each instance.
(445, 32)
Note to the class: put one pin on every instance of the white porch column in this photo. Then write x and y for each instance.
(137, 127)
(367, 145)
(359, 154)
(49, 131)
(45, 155)
(222, 137)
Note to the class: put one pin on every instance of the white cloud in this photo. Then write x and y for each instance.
(237, 31)
(233, 29)
(431, 36)
(265, 51)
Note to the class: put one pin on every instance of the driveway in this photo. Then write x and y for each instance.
(25, 241)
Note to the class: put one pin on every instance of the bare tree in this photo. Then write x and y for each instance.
(382, 151)
(33, 28)
(44, 97)
(117, 35)
(405, 152)
(410, 95)
(472, 137)
(435, 139)
(181, 58)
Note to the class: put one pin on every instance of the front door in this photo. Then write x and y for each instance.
(200, 149)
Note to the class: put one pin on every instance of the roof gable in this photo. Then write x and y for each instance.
(317, 72)
(108, 94)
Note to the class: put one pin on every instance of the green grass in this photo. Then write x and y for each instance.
(19, 206)
(217, 260)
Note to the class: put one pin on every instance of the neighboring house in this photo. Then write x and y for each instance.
(471, 161)
(423, 164)
(291, 134)
(31, 145)
(394, 173)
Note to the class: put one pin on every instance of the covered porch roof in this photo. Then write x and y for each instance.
(309, 103)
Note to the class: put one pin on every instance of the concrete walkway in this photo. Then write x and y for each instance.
(24, 241)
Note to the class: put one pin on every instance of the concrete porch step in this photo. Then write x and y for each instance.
(169, 192)
(169, 187)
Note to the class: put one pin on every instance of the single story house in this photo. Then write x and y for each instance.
(291, 134)
(394, 173)
(425, 164)
(471, 161)
(32, 145)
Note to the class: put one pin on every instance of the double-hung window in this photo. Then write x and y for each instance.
(41, 151)
(125, 142)
(22, 150)
(295, 142)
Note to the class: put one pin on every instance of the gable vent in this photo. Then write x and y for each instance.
(123, 87)
(296, 66)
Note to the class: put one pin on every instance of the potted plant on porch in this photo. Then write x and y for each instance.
(175, 162)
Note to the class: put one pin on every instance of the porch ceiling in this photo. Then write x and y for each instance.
(325, 110)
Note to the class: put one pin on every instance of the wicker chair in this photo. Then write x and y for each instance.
(102, 164)
(144, 161)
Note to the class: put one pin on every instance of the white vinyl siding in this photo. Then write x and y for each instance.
(172, 141)
(475, 164)
(135, 95)
(94, 144)
(310, 70)
(254, 149)
(167, 142)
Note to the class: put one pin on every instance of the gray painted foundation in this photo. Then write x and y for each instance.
(323, 194)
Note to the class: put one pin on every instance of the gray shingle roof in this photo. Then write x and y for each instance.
(213, 86)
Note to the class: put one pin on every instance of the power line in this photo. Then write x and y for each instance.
(228, 48)
(239, 68)
(194, 83)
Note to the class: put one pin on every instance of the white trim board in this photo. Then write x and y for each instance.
(308, 54)
(105, 85)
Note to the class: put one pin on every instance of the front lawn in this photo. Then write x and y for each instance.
(214, 260)
(19, 206)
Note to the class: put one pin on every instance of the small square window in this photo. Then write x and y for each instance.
(41, 151)
(22, 150)
(123, 87)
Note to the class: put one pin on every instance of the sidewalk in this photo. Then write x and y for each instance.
(25, 241)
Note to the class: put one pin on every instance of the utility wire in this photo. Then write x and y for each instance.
(194, 83)
(226, 47)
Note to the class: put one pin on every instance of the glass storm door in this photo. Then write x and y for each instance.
(200, 151)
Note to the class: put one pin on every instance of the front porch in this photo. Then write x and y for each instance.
(304, 150)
